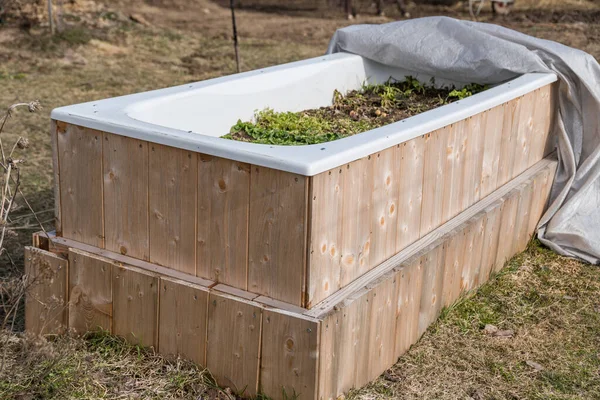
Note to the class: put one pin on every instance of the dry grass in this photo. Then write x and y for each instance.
(102, 53)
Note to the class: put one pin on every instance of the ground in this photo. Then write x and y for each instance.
(549, 303)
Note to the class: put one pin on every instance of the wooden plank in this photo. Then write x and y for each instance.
(453, 265)
(473, 253)
(552, 140)
(277, 245)
(408, 304)
(491, 238)
(289, 362)
(454, 165)
(172, 202)
(126, 195)
(410, 192)
(90, 292)
(356, 222)
(524, 134)
(522, 231)
(182, 319)
(432, 287)
(60, 244)
(223, 204)
(384, 199)
(46, 293)
(433, 180)
(510, 122)
(325, 306)
(55, 126)
(507, 229)
(135, 305)
(473, 160)
(80, 166)
(324, 260)
(543, 115)
(492, 143)
(233, 342)
(542, 185)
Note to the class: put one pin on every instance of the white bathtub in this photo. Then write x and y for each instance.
(194, 116)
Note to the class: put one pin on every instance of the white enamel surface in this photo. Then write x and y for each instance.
(193, 116)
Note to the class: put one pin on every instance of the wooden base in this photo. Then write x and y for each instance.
(255, 344)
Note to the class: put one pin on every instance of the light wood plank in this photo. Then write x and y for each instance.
(432, 287)
(46, 294)
(454, 166)
(492, 143)
(90, 288)
(356, 222)
(233, 342)
(80, 166)
(543, 115)
(56, 126)
(510, 122)
(135, 305)
(126, 195)
(410, 277)
(522, 231)
(289, 362)
(223, 203)
(277, 244)
(490, 241)
(507, 230)
(410, 192)
(182, 319)
(324, 260)
(172, 202)
(453, 265)
(471, 179)
(433, 180)
(473, 253)
(524, 134)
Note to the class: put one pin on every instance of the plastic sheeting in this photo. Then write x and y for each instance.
(466, 51)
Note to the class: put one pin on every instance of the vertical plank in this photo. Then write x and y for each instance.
(46, 295)
(410, 192)
(454, 166)
(233, 342)
(329, 355)
(510, 122)
(135, 305)
(325, 235)
(126, 195)
(492, 140)
(289, 362)
(277, 244)
(356, 222)
(55, 126)
(491, 238)
(182, 319)
(172, 202)
(90, 292)
(471, 179)
(524, 134)
(543, 113)
(223, 202)
(384, 203)
(522, 232)
(453, 265)
(433, 180)
(472, 252)
(408, 303)
(540, 190)
(507, 229)
(432, 288)
(80, 163)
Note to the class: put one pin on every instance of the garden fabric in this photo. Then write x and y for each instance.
(466, 51)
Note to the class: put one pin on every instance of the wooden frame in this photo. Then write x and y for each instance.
(293, 238)
(257, 344)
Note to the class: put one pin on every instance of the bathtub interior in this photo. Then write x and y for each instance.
(213, 107)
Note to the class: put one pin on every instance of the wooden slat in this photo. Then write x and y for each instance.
(90, 292)
(507, 229)
(432, 287)
(544, 110)
(182, 319)
(384, 203)
(492, 130)
(324, 260)
(56, 126)
(524, 134)
(277, 243)
(172, 202)
(472, 252)
(233, 342)
(46, 295)
(356, 223)
(454, 166)
(433, 179)
(289, 362)
(126, 195)
(223, 202)
(522, 229)
(490, 242)
(80, 166)
(410, 192)
(135, 305)
(408, 304)
(471, 179)
(542, 185)
(510, 122)
(454, 262)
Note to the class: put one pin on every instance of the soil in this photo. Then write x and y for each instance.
(358, 111)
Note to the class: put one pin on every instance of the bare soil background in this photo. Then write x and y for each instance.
(116, 47)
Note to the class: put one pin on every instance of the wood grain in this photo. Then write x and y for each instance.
(80, 169)
(182, 319)
(433, 180)
(46, 295)
(90, 292)
(492, 140)
(410, 192)
(172, 203)
(126, 195)
(223, 203)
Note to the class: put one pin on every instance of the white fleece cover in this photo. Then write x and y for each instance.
(468, 51)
